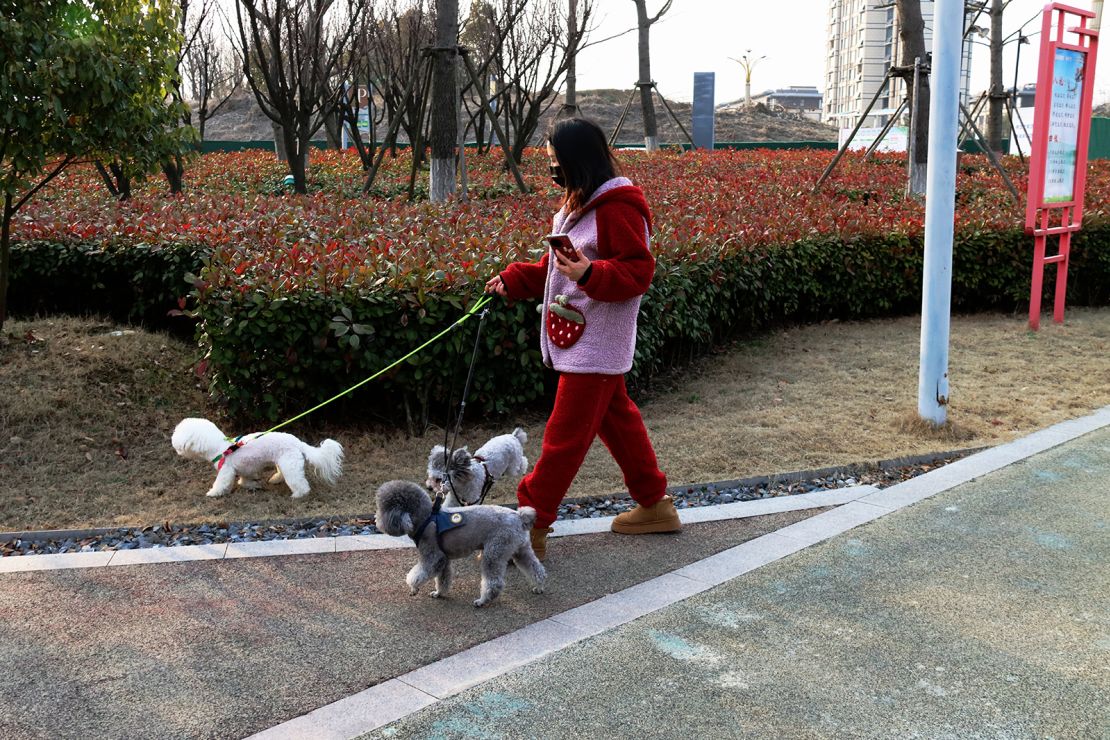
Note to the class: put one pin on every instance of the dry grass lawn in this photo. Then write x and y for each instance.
(86, 415)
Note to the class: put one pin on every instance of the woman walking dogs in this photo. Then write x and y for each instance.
(591, 296)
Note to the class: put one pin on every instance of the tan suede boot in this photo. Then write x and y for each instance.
(539, 541)
(660, 517)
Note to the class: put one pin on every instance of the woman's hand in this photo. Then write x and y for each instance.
(573, 269)
(496, 285)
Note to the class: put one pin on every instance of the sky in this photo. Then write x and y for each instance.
(701, 35)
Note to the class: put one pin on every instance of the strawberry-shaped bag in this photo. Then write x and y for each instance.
(565, 323)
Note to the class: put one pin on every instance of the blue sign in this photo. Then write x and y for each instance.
(704, 111)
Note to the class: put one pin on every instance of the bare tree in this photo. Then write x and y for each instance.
(532, 62)
(482, 33)
(210, 66)
(395, 34)
(911, 32)
(444, 94)
(295, 58)
(643, 24)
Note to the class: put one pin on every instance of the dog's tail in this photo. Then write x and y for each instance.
(527, 517)
(326, 460)
(520, 434)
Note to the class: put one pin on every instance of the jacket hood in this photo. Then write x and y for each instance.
(620, 190)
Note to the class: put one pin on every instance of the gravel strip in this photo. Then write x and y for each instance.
(880, 474)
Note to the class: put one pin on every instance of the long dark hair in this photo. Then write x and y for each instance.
(584, 156)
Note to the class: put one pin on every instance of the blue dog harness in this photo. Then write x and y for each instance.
(445, 520)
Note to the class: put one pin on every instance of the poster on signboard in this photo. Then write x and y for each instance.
(1063, 125)
(363, 113)
(896, 139)
(1023, 124)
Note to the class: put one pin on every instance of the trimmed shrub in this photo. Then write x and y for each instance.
(301, 297)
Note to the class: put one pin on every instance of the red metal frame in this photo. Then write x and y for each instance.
(1060, 219)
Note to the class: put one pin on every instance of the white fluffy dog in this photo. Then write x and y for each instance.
(462, 478)
(246, 460)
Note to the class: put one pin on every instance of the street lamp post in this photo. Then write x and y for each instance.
(748, 62)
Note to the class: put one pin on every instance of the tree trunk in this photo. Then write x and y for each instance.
(912, 35)
(5, 256)
(997, 95)
(123, 182)
(174, 170)
(651, 136)
(331, 131)
(297, 151)
(444, 132)
(279, 141)
(570, 97)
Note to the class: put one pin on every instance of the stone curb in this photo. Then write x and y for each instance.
(36, 535)
(350, 543)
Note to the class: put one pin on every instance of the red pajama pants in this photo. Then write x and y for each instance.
(588, 406)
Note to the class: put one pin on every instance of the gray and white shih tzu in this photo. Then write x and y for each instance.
(462, 478)
(404, 508)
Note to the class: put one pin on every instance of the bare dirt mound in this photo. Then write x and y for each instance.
(241, 120)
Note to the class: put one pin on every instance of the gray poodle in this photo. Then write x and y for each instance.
(404, 508)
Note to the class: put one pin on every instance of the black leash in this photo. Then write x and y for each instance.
(448, 449)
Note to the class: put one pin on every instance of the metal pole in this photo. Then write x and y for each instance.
(991, 156)
(620, 121)
(465, 53)
(859, 123)
(668, 107)
(940, 211)
(1013, 129)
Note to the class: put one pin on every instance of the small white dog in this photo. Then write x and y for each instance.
(462, 479)
(246, 460)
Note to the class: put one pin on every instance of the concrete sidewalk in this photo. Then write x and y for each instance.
(983, 611)
(978, 610)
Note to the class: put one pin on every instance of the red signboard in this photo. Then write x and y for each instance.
(1061, 128)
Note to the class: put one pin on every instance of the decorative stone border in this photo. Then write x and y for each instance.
(350, 543)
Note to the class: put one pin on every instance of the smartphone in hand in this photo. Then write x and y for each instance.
(561, 243)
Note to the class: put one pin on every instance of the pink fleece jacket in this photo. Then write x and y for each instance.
(613, 230)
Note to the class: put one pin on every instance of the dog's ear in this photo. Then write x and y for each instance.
(461, 458)
(395, 522)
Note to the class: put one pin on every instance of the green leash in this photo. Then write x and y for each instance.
(238, 441)
(470, 312)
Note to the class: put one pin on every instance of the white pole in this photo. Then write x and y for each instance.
(940, 209)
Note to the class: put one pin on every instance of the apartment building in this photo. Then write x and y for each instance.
(863, 44)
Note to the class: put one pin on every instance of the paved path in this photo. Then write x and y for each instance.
(982, 610)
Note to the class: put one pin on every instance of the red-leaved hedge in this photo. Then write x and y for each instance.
(741, 240)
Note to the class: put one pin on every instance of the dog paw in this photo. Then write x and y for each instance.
(435, 594)
(537, 589)
(300, 494)
(480, 602)
(213, 493)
